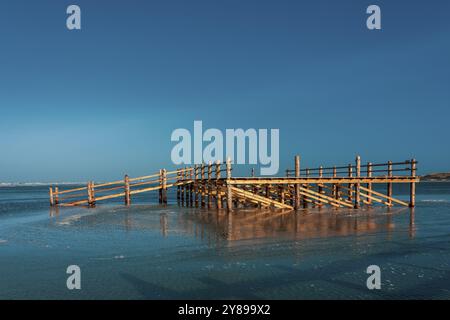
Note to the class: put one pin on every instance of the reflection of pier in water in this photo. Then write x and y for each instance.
(246, 225)
(220, 225)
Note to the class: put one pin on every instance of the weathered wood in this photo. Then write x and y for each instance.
(390, 199)
(358, 184)
(316, 180)
(72, 190)
(350, 185)
(389, 184)
(209, 188)
(164, 186)
(91, 196)
(334, 192)
(297, 186)
(218, 194)
(229, 190)
(56, 196)
(320, 187)
(52, 203)
(191, 187)
(282, 190)
(324, 198)
(369, 185)
(202, 193)
(186, 186)
(305, 203)
(257, 198)
(412, 187)
(196, 188)
(178, 188)
(127, 190)
(160, 186)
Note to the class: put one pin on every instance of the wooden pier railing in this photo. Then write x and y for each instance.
(202, 185)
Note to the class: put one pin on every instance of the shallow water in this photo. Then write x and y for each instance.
(147, 251)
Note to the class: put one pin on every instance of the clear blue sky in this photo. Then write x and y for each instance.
(95, 103)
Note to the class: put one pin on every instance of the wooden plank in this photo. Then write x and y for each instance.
(412, 187)
(385, 196)
(329, 199)
(259, 198)
(70, 190)
(290, 180)
(315, 197)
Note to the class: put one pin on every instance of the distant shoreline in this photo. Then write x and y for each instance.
(436, 177)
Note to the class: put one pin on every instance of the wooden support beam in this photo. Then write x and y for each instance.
(297, 186)
(217, 191)
(127, 190)
(186, 186)
(196, 188)
(209, 188)
(324, 198)
(256, 198)
(281, 195)
(369, 184)
(389, 185)
(191, 186)
(350, 186)
(52, 203)
(202, 184)
(390, 199)
(164, 186)
(358, 184)
(90, 192)
(305, 203)
(412, 187)
(334, 188)
(229, 190)
(160, 189)
(178, 188)
(56, 195)
(320, 187)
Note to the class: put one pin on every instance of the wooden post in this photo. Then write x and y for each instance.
(305, 203)
(281, 193)
(191, 187)
(186, 186)
(320, 189)
(183, 187)
(178, 187)
(89, 194)
(334, 184)
(93, 193)
(51, 196)
(389, 185)
(350, 186)
(218, 195)
(127, 190)
(164, 186)
(229, 193)
(412, 187)
(369, 185)
(160, 185)
(202, 194)
(56, 195)
(358, 184)
(209, 184)
(196, 185)
(297, 186)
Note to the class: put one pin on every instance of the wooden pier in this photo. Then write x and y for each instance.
(213, 186)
